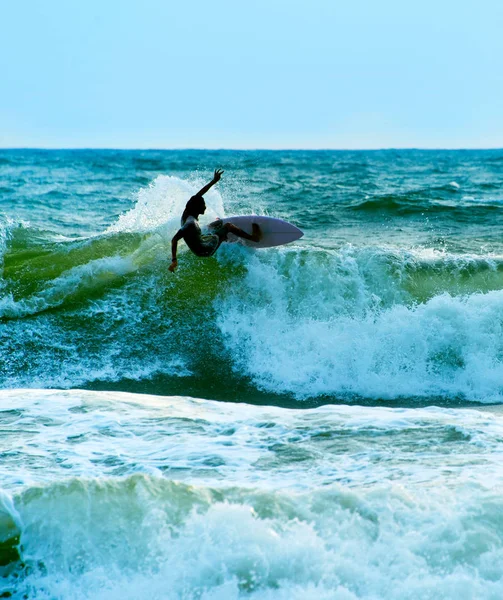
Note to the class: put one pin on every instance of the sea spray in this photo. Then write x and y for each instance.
(162, 204)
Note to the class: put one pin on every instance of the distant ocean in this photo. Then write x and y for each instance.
(316, 421)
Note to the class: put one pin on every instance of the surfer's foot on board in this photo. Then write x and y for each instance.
(255, 236)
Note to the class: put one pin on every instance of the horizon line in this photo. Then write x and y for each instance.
(258, 149)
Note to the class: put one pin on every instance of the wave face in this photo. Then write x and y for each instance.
(372, 305)
(126, 496)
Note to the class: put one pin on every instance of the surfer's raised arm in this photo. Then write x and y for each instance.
(216, 177)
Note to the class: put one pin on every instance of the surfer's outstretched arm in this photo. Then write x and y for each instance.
(216, 177)
(174, 245)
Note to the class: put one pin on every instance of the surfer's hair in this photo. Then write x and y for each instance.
(193, 207)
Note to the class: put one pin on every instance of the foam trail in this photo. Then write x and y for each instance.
(92, 275)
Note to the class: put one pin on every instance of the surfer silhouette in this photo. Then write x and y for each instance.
(205, 244)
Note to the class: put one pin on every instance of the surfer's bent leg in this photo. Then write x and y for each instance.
(255, 236)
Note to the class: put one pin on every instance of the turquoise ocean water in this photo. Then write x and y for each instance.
(319, 420)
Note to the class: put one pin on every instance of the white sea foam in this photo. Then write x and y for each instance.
(100, 432)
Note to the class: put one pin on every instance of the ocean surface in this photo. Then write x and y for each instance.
(321, 420)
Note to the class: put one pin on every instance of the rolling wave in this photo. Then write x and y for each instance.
(299, 322)
(118, 538)
(411, 203)
(267, 503)
(371, 322)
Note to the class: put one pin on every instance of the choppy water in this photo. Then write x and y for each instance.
(260, 424)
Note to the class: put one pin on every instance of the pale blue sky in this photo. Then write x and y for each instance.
(255, 74)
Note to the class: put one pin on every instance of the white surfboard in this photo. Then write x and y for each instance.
(275, 232)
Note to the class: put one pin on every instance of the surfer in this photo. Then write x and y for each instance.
(190, 231)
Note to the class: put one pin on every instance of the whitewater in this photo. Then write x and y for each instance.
(319, 420)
